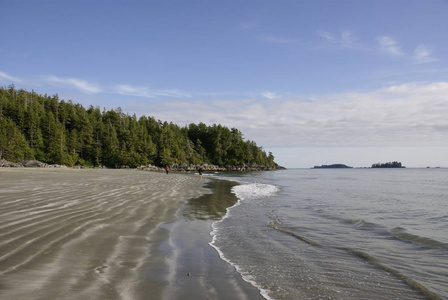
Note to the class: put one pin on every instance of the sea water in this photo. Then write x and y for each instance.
(339, 233)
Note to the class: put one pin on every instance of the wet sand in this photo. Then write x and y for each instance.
(111, 234)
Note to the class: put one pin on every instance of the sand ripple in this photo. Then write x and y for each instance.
(69, 234)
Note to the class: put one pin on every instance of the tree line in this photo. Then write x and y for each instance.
(394, 164)
(54, 131)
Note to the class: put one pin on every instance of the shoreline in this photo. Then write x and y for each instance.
(196, 269)
(111, 234)
(174, 167)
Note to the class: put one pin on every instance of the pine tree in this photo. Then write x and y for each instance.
(51, 130)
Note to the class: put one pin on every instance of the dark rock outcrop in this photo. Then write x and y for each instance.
(210, 168)
(27, 164)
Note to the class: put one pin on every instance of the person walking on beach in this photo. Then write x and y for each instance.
(167, 169)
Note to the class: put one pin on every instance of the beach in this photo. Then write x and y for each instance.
(113, 234)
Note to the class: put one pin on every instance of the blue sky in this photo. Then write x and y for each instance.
(315, 82)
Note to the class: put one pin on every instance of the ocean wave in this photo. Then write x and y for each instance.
(419, 287)
(243, 192)
(401, 234)
(254, 190)
(415, 285)
(363, 224)
(275, 224)
(246, 276)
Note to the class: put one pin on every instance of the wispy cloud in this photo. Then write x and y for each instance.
(10, 78)
(423, 54)
(276, 40)
(385, 44)
(73, 83)
(326, 36)
(270, 95)
(61, 83)
(389, 46)
(55, 81)
(148, 92)
(344, 39)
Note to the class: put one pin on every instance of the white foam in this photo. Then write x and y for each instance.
(254, 190)
(244, 192)
(246, 277)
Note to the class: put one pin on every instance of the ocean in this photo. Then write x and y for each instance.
(339, 233)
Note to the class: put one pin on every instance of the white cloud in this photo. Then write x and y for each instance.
(435, 89)
(408, 114)
(55, 81)
(269, 95)
(148, 92)
(347, 36)
(422, 54)
(84, 86)
(385, 44)
(389, 45)
(344, 39)
(306, 157)
(74, 83)
(10, 78)
(326, 35)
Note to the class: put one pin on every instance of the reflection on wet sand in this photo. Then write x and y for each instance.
(112, 234)
(194, 268)
(211, 206)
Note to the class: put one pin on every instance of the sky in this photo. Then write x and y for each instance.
(313, 81)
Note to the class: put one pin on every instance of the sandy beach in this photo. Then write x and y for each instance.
(112, 234)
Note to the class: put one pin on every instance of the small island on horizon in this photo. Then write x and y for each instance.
(334, 166)
(395, 164)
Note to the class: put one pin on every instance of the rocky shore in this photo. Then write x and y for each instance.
(206, 167)
(174, 168)
(28, 164)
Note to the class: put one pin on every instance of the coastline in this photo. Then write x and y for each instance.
(108, 234)
(195, 266)
(174, 167)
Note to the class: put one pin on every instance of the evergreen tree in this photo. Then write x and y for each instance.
(43, 127)
(13, 144)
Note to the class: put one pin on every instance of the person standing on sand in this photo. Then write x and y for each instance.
(167, 169)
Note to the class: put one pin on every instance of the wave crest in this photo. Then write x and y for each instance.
(402, 235)
(254, 190)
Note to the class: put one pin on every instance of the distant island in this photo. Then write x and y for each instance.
(334, 166)
(394, 164)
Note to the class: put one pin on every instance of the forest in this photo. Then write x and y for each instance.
(334, 166)
(394, 164)
(47, 129)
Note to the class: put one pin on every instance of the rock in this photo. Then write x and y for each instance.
(210, 168)
(28, 164)
(7, 164)
(33, 164)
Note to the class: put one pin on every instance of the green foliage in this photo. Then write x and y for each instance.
(394, 164)
(54, 131)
